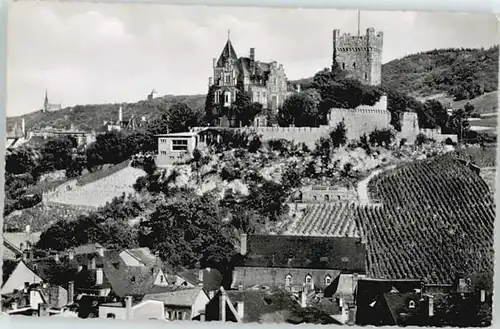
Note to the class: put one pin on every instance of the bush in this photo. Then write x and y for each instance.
(382, 137)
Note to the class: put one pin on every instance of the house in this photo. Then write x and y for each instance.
(176, 147)
(138, 257)
(292, 262)
(130, 309)
(208, 278)
(15, 243)
(263, 306)
(180, 303)
(409, 302)
(36, 299)
(266, 83)
(20, 275)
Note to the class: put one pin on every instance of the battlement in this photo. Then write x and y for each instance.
(370, 41)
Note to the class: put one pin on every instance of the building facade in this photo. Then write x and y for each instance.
(266, 83)
(360, 55)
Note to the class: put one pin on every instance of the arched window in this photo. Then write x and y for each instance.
(110, 316)
(314, 198)
(327, 197)
(366, 76)
(308, 279)
(288, 280)
(411, 304)
(354, 65)
(328, 280)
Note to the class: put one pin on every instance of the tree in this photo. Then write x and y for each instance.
(181, 117)
(110, 147)
(432, 114)
(241, 106)
(301, 109)
(21, 160)
(338, 135)
(57, 154)
(212, 106)
(182, 228)
(382, 137)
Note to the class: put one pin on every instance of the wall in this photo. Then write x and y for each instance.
(166, 156)
(306, 135)
(263, 276)
(410, 129)
(199, 304)
(334, 194)
(119, 312)
(148, 309)
(19, 276)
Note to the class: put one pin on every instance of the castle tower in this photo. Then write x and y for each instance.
(360, 55)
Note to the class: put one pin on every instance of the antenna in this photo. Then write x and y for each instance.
(359, 16)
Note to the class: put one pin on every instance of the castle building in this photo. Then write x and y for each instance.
(265, 82)
(360, 55)
(48, 107)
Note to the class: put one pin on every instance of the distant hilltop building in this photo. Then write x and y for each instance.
(124, 124)
(48, 107)
(152, 95)
(266, 82)
(360, 55)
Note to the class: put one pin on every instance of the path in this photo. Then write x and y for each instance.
(363, 195)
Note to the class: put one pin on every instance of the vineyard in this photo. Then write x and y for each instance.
(333, 220)
(437, 219)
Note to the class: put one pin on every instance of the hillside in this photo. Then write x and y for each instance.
(88, 117)
(437, 218)
(460, 73)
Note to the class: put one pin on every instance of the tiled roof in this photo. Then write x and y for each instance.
(258, 302)
(127, 280)
(346, 254)
(178, 297)
(212, 280)
(227, 52)
(144, 255)
(333, 220)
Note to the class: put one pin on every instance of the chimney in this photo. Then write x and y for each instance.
(209, 81)
(128, 307)
(382, 103)
(222, 306)
(208, 269)
(71, 292)
(298, 87)
(100, 251)
(431, 305)
(202, 317)
(120, 114)
(98, 276)
(354, 282)
(56, 258)
(14, 305)
(71, 254)
(215, 62)
(252, 54)
(240, 308)
(243, 242)
(200, 276)
(23, 126)
(483, 295)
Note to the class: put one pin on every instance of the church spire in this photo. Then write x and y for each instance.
(46, 101)
(359, 20)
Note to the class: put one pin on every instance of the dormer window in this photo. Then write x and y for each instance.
(343, 66)
(328, 280)
(354, 65)
(308, 279)
(411, 304)
(288, 280)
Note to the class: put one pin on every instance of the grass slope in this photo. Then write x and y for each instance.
(437, 219)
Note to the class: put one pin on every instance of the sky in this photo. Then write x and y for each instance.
(91, 53)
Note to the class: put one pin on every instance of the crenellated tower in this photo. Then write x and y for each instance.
(360, 55)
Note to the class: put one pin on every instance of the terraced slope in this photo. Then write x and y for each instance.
(437, 218)
(333, 219)
(98, 192)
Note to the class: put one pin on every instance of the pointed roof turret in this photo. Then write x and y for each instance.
(227, 52)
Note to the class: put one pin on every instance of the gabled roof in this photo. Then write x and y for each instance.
(212, 279)
(89, 248)
(347, 254)
(127, 280)
(143, 255)
(227, 52)
(176, 296)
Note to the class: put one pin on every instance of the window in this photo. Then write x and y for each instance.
(163, 152)
(308, 279)
(327, 197)
(343, 66)
(161, 278)
(228, 79)
(226, 98)
(354, 65)
(314, 198)
(366, 76)
(288, 280)
(179, 145)
(132, 279)
(168, 315)
(110, 316)
(328, 280)
(180, 315)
